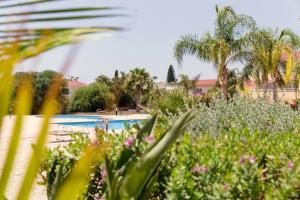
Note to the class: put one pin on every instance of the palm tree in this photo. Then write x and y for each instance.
(296, 78)
(267, 50)
(138, 83)
(225, 46)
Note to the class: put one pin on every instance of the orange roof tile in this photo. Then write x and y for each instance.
(75, 84)
(205, 83)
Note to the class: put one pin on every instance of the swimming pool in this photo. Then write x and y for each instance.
(96, 121)
(76, 117)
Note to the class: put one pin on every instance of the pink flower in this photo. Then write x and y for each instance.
(197, 169)
(252, 159)
(103, 173)
(149, 139)
(226, 186)
(290, 165)
(128, 142)
(96, 143)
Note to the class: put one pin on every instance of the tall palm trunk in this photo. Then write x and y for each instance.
(265, 89)
(138, 99)
(274, 88)
(275, 95)
(296, 88)
(224, 81)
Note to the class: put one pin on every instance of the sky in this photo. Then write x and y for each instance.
(152, 28)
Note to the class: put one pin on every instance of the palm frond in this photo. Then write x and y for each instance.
(186, 45)
(23, 27)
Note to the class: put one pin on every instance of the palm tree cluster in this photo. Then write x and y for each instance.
(267, 54)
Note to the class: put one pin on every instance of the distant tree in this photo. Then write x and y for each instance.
(122, 97)
(138, 82)
(187, 83)
(89, 99)
(171, 75)
(233, 82)
(116, 74)
(41, 82)
(19, 77)
(103, 79)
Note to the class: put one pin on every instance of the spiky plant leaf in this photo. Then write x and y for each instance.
(139, 173)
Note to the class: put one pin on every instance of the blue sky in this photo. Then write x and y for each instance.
(153, 27)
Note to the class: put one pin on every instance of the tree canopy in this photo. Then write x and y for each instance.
(171, 78)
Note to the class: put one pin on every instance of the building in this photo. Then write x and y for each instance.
(287, 93)
(165, 86)
(73, 84)
(202, 86)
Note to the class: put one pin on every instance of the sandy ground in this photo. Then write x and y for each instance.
(29, 132)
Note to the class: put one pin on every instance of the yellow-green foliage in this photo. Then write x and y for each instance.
(18, 44)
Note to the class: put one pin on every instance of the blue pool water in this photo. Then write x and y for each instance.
(112, 124)
(76, 117)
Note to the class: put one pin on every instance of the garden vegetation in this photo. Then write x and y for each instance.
(225, 148)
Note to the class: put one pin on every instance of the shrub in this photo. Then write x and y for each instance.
(131, 166)
(41, 81)
(236, 165)
(172, 102)
(89, 99)
(240, 113)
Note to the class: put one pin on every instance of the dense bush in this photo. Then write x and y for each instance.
(41, 81)
(91, 98)
(240, 113)
(236, 165)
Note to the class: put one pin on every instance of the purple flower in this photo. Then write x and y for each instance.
(96, 143)
(242, 160)
(128, 142)
(252, 159)
(226, 186)
(290, 165)
(149, 139)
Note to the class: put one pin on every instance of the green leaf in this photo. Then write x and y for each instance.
(147, 129)
(75, 183)
(63, 11)
(57, 179)
(140, 172)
